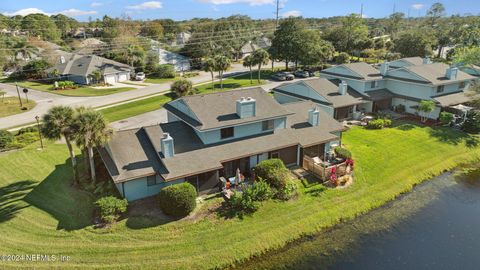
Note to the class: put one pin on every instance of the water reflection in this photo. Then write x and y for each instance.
(433, 227)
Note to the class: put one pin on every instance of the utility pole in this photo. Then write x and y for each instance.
(361, 11)
(394, 7)
(18, 93)
(39, 131)
(277, 14)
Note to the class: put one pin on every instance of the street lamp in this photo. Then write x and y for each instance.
(39, 132)
(25, 90)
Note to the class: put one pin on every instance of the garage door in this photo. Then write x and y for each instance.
(122, 77)
(110, 79)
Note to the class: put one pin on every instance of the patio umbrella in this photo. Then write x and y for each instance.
(238, 177)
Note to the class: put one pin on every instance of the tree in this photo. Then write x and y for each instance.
(153, 30)
(135, 55)
(209, 66)
(467, 56)
(260, 57)
(472, 123)
(426, 107)
(96, 76)
(436, 11)
(24, 49)
(315, 50)
(182, 87)
(414, 43)
(342, 58)
(248, 61)
(40, 25)
(394, 23)
(91, 131)
(346, 37)
(222, 63)
(35, 69)
(59, 122)
(287, 40)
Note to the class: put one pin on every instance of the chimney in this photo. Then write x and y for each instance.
(452, 73)
(314, 117)
(384, 68)
(426, 61)
(342, 88)
(246, 107)
(167, 146)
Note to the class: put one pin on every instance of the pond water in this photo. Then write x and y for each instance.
(436, 226)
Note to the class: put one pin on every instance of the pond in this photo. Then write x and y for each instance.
(436, 226)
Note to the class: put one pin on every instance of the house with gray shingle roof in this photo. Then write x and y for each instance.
(406, 84)
(78, 68)
(209, 136)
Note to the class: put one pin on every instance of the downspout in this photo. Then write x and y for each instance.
(123, 189)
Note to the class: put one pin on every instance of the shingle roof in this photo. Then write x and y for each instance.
(136, 153)
(364, 70)
(83, 65)
(436, 73)
(452, 99)
(218, 110)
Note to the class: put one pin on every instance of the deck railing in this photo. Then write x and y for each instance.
(323, 172)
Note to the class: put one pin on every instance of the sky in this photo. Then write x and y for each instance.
(187, 9)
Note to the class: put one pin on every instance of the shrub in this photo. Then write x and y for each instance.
(376, 124)
(27, 129)
(178, 200)
(400, 108)
(387, 122)
(342, 58)
(343, 153)
(446, 118)
(472, 123)
(6, 138)
(165, 71)
(111, 208)
(261, 191)
(26, 138)
(65, 85)
(244, 203)
(182, 88)
(287, 192)
(274, 172)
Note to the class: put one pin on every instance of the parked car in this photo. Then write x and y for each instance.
(140, 76)
(283, 76)
(302, 74)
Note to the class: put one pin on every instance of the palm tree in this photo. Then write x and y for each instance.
(260, 57)
(248, 62)
(59, 122)
(25, 49)
(92, 131)
(209, 66)
(222, 63)
(96, 76)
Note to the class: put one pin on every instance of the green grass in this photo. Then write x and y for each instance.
(161, 80)
(79, 92)
(11, 106)
(40, 213)
(134, 108)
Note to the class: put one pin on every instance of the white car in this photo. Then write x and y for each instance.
(140, 76)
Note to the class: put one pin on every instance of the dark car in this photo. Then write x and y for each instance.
(283, 76)
(302, 74)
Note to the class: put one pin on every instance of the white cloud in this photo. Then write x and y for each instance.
(147, 5)
(418, 6)
(96, 4)
(292, 13)
(250, 2)
(25, 12)
(76, 12)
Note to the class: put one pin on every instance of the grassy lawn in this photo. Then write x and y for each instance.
(79, 92)
(161, 80)
(11, 106)
(41, 213)
(231, 83)
(134, 108)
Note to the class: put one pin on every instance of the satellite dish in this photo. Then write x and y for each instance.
(25, 90)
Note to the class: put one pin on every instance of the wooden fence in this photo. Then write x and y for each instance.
(323, 172)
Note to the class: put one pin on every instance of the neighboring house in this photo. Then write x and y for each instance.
(252, 46)
(180, 39)
(91, 46)
(180, 62)
(78, 69)
(336, 99)
(408, 83)
(209, 136)
(471, 69)
(409, 61)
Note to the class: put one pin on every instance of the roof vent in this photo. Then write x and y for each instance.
(426, 61)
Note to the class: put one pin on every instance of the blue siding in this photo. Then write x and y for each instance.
(138, 189)
(181, 106)
(283, 99)
(303, 90)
